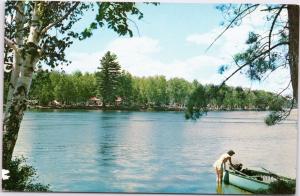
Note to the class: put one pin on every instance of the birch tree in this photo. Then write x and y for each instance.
(36, 34)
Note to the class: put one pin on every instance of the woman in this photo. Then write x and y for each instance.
(218, 165)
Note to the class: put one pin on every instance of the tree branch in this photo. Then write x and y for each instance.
(247, 63)
(43, 31)
(136, 26)
(284, 88)
(11, 44)
(289, 111)
(228, 26)
(273, 71)
(271, 29)
(19, 10)
(281, 115)
(274, 8)
(235, 61)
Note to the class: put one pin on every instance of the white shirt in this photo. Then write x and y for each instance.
(219, 162)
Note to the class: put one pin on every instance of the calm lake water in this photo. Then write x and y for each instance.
(157, 152)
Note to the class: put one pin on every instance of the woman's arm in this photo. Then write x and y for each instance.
(229, 158)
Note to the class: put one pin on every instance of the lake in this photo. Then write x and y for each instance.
(157, 152)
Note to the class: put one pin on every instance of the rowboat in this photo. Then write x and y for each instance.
(250, 179)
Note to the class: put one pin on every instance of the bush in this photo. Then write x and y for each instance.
(273, 118)
(280, 187)
(22, 177)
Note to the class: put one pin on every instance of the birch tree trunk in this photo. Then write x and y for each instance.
(16, 58)
(24, 63)
(293, 16)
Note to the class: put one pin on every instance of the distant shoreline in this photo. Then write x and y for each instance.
(130, 108)
(108, 108)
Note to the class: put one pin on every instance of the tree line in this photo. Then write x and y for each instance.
(111, 82)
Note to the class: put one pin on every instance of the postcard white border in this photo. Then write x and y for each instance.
(166, 1)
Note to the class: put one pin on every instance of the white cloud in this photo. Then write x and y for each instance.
(139, 57)
(136, 45)
(85, 62)
(232, 42)
(204, 38)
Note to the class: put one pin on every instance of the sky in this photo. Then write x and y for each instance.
(171, 40)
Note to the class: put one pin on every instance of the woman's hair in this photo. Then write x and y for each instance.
(231, 152)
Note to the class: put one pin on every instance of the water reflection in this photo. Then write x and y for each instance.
(219, 189)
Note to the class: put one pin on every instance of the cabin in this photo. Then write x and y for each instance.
(55, 103)
(118, 101)
(94, 101)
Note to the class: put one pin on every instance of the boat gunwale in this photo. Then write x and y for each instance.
(247, 177)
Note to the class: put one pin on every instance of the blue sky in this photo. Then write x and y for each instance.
(158, 23)
(172, 42)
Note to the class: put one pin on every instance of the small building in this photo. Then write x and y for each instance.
(94, 101)
(55, 103)
(118, 101)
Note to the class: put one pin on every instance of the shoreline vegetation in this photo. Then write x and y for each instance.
(132, 108)
(111, 88)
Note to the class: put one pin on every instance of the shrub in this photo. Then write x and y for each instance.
(280, 187)
(22, 177)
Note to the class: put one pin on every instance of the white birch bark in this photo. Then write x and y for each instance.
(17, 61)
(21, 78)
(24, 63)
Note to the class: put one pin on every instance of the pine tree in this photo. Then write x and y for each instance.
(110, 72)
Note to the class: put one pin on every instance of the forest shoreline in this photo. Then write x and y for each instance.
(133, 108)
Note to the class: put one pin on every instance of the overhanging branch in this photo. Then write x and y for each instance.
(267, 76)
(43, 31)
(253, 59)
(136, 26)
(229, 25)
(272, 26)
(284, 88)
(274, 8)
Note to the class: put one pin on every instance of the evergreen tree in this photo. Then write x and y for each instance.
(109, 78)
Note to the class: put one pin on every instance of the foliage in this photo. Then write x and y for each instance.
(54, 43)
(280, 187)
(114, 15)
(272, 118)
(266, 51)
(273, 48)
(198, 103)
(153, 91)
(125, 88)
(22, 177)
(213, 97)
(42, 86)
(67, 89)
(110, 72)
(147, 92)
(178, 90)
(278, 112)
